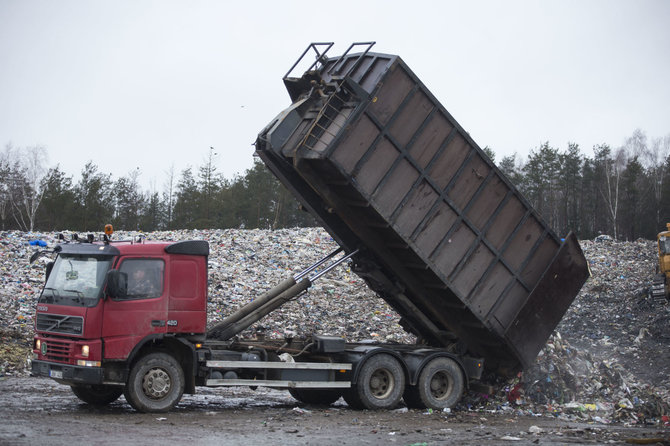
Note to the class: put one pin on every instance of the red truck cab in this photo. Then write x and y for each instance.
(105, 304)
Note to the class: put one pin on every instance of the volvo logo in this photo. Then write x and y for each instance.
(42, 308)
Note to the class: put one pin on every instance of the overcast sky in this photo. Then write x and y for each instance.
(153, 84)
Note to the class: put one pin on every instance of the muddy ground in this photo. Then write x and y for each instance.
(40, 411)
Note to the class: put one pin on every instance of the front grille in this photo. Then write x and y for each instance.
(58, 350)
(61, 324)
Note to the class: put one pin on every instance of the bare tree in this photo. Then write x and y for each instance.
(610, 176)
(168, 195)
(613, 179)
(5, 177)
(35, 162)
(654, 159)
(27, 172)
(636, 144)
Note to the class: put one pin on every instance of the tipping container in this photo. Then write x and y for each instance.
(445, 237)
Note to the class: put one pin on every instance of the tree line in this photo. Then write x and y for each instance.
(33, 197)
(623, 192)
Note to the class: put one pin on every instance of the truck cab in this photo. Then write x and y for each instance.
(105, 304)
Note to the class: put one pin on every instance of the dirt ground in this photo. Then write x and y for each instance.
(40, 411)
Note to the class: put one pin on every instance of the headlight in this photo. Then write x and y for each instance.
(84, 351)
(38, 344)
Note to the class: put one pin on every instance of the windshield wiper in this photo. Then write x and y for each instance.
(53, 294)
(79, 295)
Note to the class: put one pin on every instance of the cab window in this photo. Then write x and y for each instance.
(145, 277)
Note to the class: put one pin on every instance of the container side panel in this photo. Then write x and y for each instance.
(355, 143)
(429, 141)
(376, 166)
(469, 181)
(489, 292)
(449, 161)
(398, 184)
(453, 250)
(396, 85)
(504, 223)
(417, 207)
(538, 261)
(487, 202)
(410, 118)
(474, 268)
(522, 243)
(435, 229)
(510, 304)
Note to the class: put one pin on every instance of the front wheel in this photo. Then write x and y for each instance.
(155, 384)
(97, 395)
(380, 384)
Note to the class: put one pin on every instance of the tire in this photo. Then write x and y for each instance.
(97, 395)
(441, 383)
(381, 382)
(324, 397)
(412, 398)
(155, 384)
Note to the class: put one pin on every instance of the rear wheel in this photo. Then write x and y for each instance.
(325, 397)
(380, 385)
(441, 383)
(156, 383)
(97, 395)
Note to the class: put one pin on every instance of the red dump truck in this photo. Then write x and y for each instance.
(419, 211)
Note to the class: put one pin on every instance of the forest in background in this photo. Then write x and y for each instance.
(620, 191)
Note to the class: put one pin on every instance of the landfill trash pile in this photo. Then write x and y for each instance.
(607, 361)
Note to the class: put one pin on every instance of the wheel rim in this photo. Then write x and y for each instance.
(440, 385)
(381, 383)
(156, 383)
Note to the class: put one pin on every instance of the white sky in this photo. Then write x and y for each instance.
(152, 84)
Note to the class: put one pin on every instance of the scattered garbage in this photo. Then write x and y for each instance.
(606, 362)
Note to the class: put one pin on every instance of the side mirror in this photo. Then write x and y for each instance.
(35, 255)
(117, 284)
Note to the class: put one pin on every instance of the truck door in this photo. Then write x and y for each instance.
(187, 308)
(141, 312)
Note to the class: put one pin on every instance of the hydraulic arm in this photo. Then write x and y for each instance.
(273, 299)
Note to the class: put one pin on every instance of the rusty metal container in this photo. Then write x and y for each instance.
(445, 238)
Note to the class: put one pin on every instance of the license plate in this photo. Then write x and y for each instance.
(56, 373)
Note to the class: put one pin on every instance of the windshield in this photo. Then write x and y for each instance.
(76, 280)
